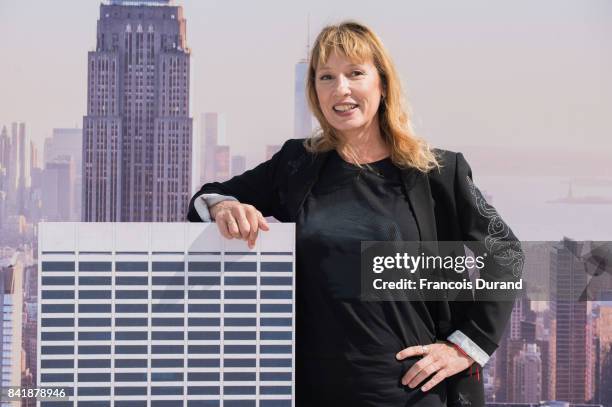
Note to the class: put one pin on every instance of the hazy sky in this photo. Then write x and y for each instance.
(476, 72)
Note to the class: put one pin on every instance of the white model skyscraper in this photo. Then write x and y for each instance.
(165, 315)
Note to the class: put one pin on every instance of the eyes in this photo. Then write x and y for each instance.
(353, 74)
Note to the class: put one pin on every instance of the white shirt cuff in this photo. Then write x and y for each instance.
(203, 203)
(469, 347)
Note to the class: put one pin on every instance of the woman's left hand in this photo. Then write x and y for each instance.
(441, 358)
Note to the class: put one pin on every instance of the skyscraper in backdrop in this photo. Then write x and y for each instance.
(137, 134)
(238, 164)
(63, 144)
(574, 370)
(302, 117)
(57, 189)
(15, 157)
(5, 153)
(214, 152)
(11, 303)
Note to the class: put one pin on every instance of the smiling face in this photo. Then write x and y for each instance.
(348, 94)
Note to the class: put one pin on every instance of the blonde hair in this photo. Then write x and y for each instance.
(360, 44)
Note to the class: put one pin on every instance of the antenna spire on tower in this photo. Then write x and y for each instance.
(308, 36)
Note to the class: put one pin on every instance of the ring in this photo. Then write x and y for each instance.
(424, 350)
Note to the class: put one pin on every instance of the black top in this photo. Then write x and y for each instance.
(337, 335)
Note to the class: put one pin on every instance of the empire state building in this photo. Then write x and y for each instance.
(137, 134)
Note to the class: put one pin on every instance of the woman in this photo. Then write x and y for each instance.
(367, 177)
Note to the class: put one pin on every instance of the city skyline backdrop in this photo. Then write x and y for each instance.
(476, 74)
(534, 78)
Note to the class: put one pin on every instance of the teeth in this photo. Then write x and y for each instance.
(344, 108)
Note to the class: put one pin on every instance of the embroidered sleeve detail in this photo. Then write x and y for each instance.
(507, 253)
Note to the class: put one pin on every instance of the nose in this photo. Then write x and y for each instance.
(342, 86)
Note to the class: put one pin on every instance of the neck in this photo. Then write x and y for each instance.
(363, 145)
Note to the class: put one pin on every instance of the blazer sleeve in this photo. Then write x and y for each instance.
(484, 231)
(257, 187)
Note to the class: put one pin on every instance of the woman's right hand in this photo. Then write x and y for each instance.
(238, 220)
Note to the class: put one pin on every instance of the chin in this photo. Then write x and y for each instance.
(351, 124)
(349, 128)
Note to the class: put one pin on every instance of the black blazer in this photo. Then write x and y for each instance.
(446, 204)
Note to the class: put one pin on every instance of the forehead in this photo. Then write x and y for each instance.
(338, 60)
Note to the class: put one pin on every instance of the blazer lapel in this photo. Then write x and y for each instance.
(418, 191)
(304, 173)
